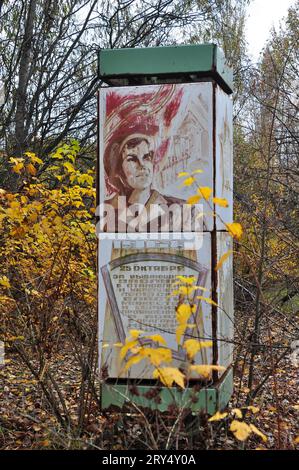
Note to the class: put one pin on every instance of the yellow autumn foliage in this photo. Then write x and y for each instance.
(205, 192)
(169, 375)
(240, 429)
(47, 245)
(192, 346)
(235, 230)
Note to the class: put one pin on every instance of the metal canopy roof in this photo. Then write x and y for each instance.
(167, 64)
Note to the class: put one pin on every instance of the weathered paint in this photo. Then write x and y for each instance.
(208, 399)
(225, 312)
(225, 389)
(224, 157)
(178, 119)
(118, 395)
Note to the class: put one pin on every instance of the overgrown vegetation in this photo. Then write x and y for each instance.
(49, 395)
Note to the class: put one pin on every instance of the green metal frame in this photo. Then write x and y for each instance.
(190, 62)
(207, 399)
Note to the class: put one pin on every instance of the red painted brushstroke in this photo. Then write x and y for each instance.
(172, 108)
(135, 125)
(125, 103)
(161, 151)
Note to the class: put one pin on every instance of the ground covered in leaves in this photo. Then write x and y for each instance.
(26, 422)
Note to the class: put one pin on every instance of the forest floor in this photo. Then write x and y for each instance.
(27, 423)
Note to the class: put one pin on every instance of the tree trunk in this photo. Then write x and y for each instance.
(23, 79)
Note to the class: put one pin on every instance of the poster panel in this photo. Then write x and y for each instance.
(147, 136)
(136, 280)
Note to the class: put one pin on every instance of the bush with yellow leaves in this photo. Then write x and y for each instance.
(47, 256)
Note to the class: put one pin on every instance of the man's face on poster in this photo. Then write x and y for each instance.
(137, 164)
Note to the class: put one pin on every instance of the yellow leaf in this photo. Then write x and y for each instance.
(16, 338)
(193, 199)
(180, 331)
(136, 350)
(183, 290)
(258, 432)
(187, 279)
(57, 155)
(69, 167)
(187, 290)
(126, 347)
(53, 168)
(133, 360)
(135, 333)
(272, 409)
(31, 169)
(15, 160)
(34, 158)
(235, 229)
(183, 313)
(157, 339)
(183, 173)
(156, 355)
(220, 201)
(192, 346)
(118, 345)
(205, 192)
(4, 281)
(168, 375)
(85, 178)
(189, 181)
(237, 412)
(18, 167)
(218, 416)
(207, 300)
(240, 429)
(197, 171)
(14, 204)
(254, 409)
(296, 440)
(70, 157)
(222, 259)
(205, 370)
